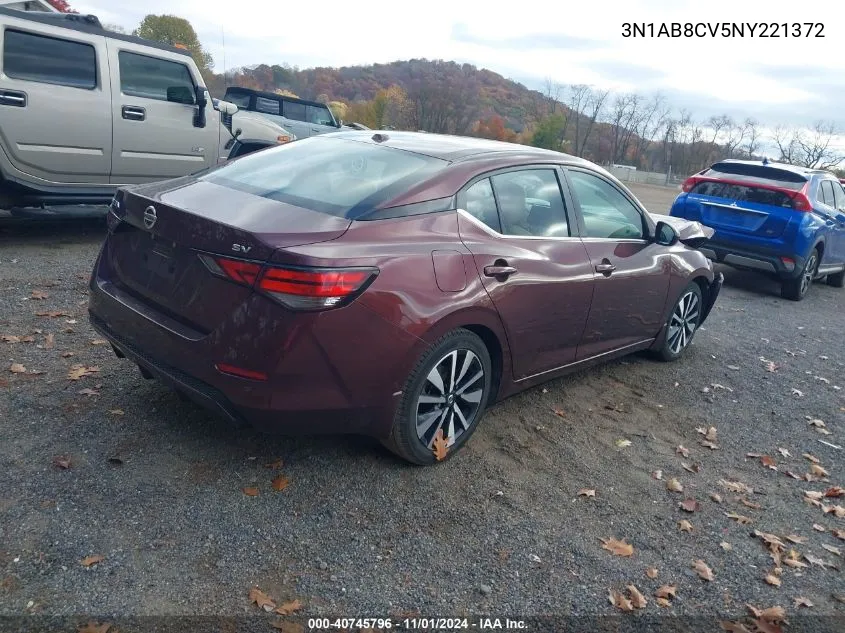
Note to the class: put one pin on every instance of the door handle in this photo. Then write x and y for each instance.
(499, 271)
(13, 98)
(133, 113)
(605, 268)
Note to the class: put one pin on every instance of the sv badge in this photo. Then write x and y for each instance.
(241, 248)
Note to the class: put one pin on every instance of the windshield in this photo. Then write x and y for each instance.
(340, 177)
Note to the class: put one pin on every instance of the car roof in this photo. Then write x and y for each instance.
(273, 95)
(86, 24)
(804, 171)
(455, 148)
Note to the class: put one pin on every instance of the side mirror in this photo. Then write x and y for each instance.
(340, 123)
(665, 234)
(202, 101)
(227, 107)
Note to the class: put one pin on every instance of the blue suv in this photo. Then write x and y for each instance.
(780, 219)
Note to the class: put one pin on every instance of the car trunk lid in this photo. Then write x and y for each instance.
(155, 251)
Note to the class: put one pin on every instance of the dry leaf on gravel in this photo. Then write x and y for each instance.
(709, 444)
(703, 570)
(622, 443)
(690, 505)
(739, 518)
(80, 371)
(88, 392)
(801, 601)
(772, 614)
(651, 572)
(784, 452)
(10, 338)
(736, 486)
(813, 494)
(816, 422)
(285, 626)
(116, 411)
(811, 457)
(280, 483)
(716, 497)
(772, 580)
(685, 526)
(733, 627)
(834, 491)
(62, 461)
(749, 504)
(832, 549)
(38, 294)
(840, 534)
(261, 599)
(619, 601)
(637, 599)
(53, 314)
(90, 561)
(586, 492)
(793, 559)
(250, 491)
(666, 591)
(440, 447)
(726, 546)
(768, 462)
(99, 341)
(674, 485)
(17, 368)
(663, 602)
(67, 354)
(818, 471)
(619, 548)
(657, 474)
(289, 607)
(105, 627)
(696, 467)
(49, 341)
(682, 451)
(818, 562)
(818, 528)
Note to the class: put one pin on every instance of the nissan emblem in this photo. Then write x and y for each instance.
(150, 217)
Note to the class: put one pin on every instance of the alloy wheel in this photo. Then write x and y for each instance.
(451, 396)
(683, 322)
(809, 272)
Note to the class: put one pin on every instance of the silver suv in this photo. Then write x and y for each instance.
(303, 118)
(84, 111)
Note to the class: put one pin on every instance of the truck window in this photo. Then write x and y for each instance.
(49, 60)
(319, 115)
(150, 77)
(294, 111)
(268, 106)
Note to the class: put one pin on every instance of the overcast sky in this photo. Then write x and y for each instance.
(777, 80)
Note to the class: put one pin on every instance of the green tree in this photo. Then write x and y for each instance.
(549, 132)
(176, 31)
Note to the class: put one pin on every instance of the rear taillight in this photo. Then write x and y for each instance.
(800, 200)
(689, 183)
(297, 288)
(315, 288)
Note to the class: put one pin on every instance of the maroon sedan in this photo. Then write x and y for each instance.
(390, 284)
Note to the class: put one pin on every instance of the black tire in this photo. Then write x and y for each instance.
(837, 280)
(796, 289)
(404, 439)
(677, 341)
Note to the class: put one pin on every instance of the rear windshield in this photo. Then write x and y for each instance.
(757, 174)
(742, 193)
(339, 177)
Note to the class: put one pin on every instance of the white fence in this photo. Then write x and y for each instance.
(646, 177)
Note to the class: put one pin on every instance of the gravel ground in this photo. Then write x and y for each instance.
(155, 485)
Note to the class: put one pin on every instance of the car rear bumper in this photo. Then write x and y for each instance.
(761, 260)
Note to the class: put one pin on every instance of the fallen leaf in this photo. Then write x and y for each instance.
(818, 471)
(840, 534)
(690, 505)
(261, 599)
(9, 338)
(651, 572)
(772, 614)
(88, 392)
(685, 526)
(733, 627)
(99, 341)
(279, 483)
(287, 608)
(95, 628)
(817, 561)
(674, 485)
(797, 393)
(772, 580)
(749, 504)
(67, 354)
(559, 413)
(250, 491)
(813, 494)
(286, 626)
(62, 461)
(834, 491)
(742, 520)
(692, 469)
(812, 458)
(784, 452)
(38, 294)
(619, 548)
(657, 474)
(440, 447)
(116, 411)
(832, 549)
(709, 444)
(703, 570)
(623, 443)
(683, 451)
(49, 341)
(801, 601)
(663, 602)
(817, 423)
(637, 599)
(792, 474)
(92, 560)
(818, 528)
(52, 314)
(17, 368)
(794, 538)
(736, 486)
(619, 601)
(711, 434)
(726, 546)
(767, 461)
(793, 559)
(586, 492)
(716, 497)
(80, 371)
(666, 591)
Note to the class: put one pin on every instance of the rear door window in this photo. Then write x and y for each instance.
(155, 78)
(49, 60)
(294, 111)
(838, 196)
(481, 204)
(825, 194)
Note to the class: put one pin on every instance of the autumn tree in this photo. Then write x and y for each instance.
(493, 127)
(549, 132)
(176, 31)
